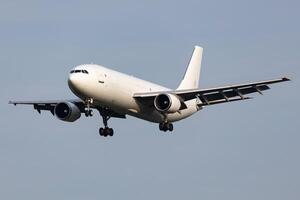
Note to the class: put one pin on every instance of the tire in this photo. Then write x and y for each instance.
(171, 127)
(106, 132)
(161, 126)
(111, 132)
(101, 131)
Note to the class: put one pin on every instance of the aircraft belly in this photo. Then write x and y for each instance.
(151, 116)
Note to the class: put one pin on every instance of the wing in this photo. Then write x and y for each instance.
(50, 106)
(214, 95)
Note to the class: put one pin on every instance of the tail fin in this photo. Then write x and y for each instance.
(192, 74)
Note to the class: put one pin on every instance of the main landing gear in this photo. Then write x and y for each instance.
(166, 126)
(106, 131)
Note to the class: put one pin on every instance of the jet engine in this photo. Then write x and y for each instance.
(67, 111)
(168, 103)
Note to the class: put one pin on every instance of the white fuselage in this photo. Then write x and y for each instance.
(115, 90)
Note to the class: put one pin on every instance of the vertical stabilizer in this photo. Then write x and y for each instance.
(192, 74)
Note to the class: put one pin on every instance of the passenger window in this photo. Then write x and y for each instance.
(77, 71)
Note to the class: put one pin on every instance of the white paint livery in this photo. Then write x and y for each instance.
(115, 94)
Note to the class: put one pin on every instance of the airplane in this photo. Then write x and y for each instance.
(116, 95)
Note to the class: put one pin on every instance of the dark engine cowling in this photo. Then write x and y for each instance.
(168, 103)
(67, 111)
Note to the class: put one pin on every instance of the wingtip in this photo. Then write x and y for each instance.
(286, 79)
(11, 102)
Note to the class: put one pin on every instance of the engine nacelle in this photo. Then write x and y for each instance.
(168, 103)
(67, 111)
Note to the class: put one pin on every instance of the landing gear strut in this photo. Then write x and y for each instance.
(105, 114)
(166, 126)
(88, 111)
(106, 131)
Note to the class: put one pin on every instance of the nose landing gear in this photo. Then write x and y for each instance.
(88, 111)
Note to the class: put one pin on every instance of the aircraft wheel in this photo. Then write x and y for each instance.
(106, 132)
(161, 126)
(110, 131)
(168, 127)
(88, 113)
(171, 127)
(101, 131)
(165, 128)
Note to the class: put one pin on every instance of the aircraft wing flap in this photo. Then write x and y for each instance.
(227, 95)
(223, 101)
(236, 86)
(216, 95)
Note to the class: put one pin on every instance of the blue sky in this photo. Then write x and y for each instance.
(243, 150)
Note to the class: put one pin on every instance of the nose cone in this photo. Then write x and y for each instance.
(74, 83)
(81, 84)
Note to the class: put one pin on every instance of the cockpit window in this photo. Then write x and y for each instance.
(79, 71)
